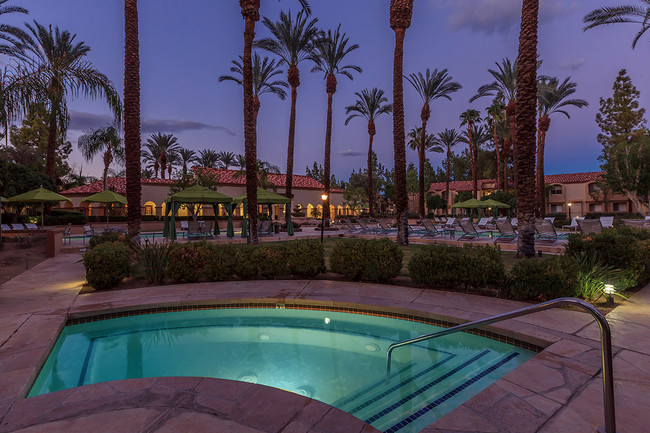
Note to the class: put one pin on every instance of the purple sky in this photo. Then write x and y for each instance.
(185, 46)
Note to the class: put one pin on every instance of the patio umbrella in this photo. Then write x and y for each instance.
(38, 195)
(496, 205)
(105, 197)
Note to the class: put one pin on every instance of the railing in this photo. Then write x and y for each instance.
(605, 345)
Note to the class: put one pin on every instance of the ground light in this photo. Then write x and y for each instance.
(609, 290)
(322, 222)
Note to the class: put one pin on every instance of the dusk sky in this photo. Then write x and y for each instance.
(185, 46)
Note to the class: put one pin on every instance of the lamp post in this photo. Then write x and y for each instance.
(323, 196)
(569, 206)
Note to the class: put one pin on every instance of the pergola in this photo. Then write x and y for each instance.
(268, 198)
(196, 194)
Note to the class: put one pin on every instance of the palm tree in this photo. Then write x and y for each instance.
(187, 157)
(10, 35)
(250, 10)
(240, 161)
(208, 158)
(496, 114)
(526, 123)
(369, 105)
(160, 147)
(226, 159)
(58, 70)
(263, 82)
(132, 115)
(430, 87)
(401, 12)
(329, 53)
(447, 139)
(553, 98)
(151, 158)
(292, 42)
(173, 159)
(469, 118)
(621, 14)
(415, 143)
(106, 140)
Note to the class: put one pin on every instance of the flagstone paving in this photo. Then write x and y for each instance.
(559, 390)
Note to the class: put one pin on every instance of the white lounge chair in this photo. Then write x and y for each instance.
(607, 221)
(18, 226)
(573, 227)
(31, 226)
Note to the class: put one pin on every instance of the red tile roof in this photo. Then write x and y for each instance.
(549, 179)
(234, 177)
(117, 184)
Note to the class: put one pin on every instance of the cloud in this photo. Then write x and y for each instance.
(573, 64)
(350, 152)
(82, 121)
(495, 16)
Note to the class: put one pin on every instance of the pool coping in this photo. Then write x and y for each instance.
(532, 393)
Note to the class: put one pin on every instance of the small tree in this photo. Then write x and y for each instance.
(355, 198)
(625, 158)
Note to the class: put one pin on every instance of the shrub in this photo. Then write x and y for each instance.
(186, 262)
(592, 277)
(220, 262)
(152, 258)
(544, 279)
(621, 248)
(305, 258)
(107, 264)
(375, 260)
(111, 237)
(458, 267)
(255, 261)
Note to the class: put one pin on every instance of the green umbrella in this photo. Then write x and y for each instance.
(268, 197)
(472, 203)
(38, 195)
(495, 204)
(105, 196)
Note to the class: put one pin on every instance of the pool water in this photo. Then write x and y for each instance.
(337, 358)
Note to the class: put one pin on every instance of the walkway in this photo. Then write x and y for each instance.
(559, 390)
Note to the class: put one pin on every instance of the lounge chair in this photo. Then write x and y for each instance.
(206, 230)
(483, 223)
(431, 231)
(265, 227)
(514, 222)
(66, 234)
(366, 229)
(193, 230)
(18, 227)
(550, 219)
(384, 228)
(573, 227)
(31, 226)
(469, 231)
(6, 228)
(545, 232)
(607, 222)
(590, 226)
(184, 228)
(351, 228)
(507, 233)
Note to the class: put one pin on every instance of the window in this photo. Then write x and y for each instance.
(556, 208)
(556, 189)
(595, 207)
(620, 207)
(593, 188)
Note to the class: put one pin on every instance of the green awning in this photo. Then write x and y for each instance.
(196, 194)
(105, 197)
(494, 204)
(199, 194)
(472, 203)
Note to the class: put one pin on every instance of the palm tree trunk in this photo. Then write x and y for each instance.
(294, 81)
(496, 147)
(472, 154)
(328, 150)
(51, 144)
(371, 197)
(132, 116)
(399, 140)
(447, 179)
(541, 190)
(526, 125)
(423, 136)
(250, 12)
(108, 158)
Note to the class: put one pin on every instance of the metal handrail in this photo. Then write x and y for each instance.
(605, 345)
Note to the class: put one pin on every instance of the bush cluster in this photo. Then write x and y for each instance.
(201, 261)
(458, 267)
(544, 279)
(107, 264)
(109, 237)
(625, 248)
(360, 259)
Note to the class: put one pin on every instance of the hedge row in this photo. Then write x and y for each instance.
(361, 259)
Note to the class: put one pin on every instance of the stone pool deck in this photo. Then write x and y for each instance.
(559, 390)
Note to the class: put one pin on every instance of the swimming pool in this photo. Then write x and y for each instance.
(338, 358)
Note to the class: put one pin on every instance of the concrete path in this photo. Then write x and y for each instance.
(559, 390)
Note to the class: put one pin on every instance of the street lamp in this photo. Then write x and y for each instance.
(569, 205)
(323, 196)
